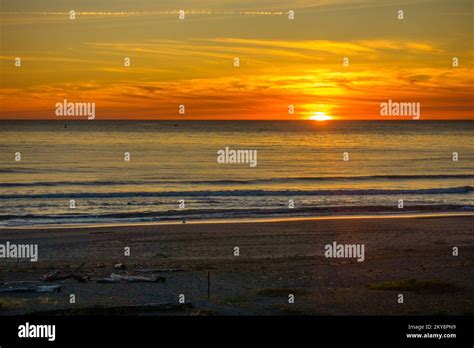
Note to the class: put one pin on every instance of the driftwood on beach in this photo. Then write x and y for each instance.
(58, 275)
(113, 278)
(33, 288)
(117, 278)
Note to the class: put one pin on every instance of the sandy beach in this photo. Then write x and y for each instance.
(409, 256)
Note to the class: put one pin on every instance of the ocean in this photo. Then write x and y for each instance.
(175, 162)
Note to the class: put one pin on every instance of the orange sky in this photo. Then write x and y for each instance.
(282, 61)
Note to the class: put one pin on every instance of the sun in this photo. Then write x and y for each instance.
(320, 116)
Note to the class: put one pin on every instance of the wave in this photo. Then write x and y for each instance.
(240, 182)
(245, 193)
(200, 214)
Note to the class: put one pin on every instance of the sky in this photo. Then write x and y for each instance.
(283, 61)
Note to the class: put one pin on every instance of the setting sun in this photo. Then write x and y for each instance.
(320, 116)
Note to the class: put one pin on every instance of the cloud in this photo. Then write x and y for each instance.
(347, 94)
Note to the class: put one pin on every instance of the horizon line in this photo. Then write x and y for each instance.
(236, 119)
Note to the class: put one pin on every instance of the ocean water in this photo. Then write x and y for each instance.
(177, 160)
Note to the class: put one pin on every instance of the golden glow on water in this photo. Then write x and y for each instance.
(243, 221)
(302, 160)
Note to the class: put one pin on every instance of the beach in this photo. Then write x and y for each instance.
(412, 256)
